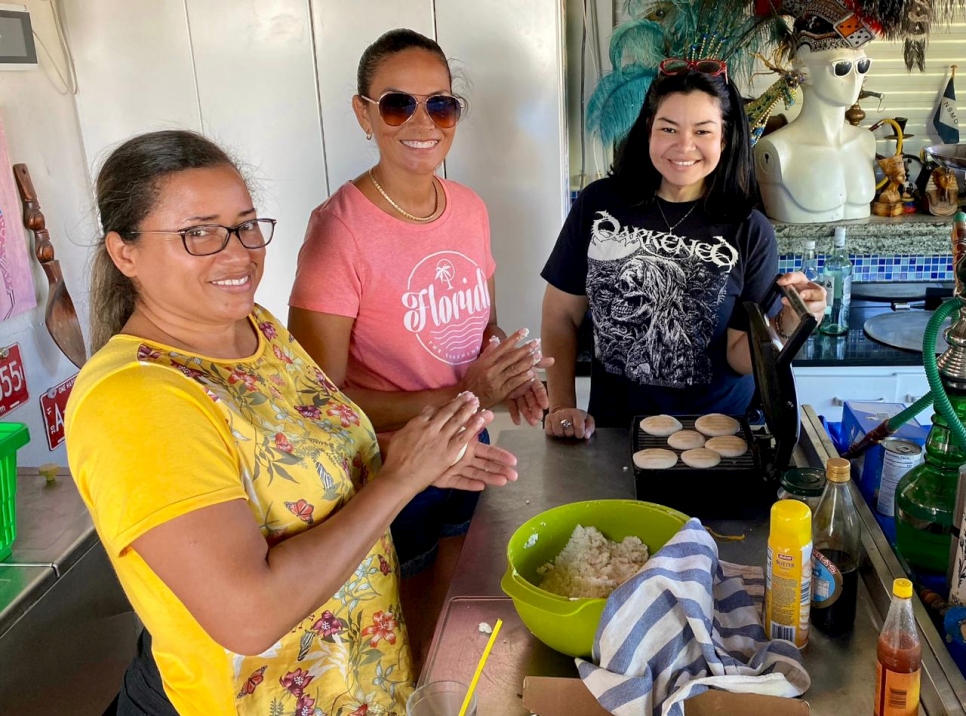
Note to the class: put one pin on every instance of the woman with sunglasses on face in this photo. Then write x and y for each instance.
(394, 294)
(665, 251)
(819, 168)
(229, 480)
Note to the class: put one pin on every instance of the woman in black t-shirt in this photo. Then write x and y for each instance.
(664, 252)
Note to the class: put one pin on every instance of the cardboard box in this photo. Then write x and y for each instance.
(858, 418)
(547, 696)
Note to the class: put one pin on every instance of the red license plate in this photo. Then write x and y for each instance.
(53, 404)
(13, 379)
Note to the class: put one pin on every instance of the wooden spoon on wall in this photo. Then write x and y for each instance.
(60, 317)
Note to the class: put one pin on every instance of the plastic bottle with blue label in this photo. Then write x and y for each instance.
(836, 536)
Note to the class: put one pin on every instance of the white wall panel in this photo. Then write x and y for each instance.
(256, 87)
(512, 146)
(40, 122)
(342, 31)
(134, 68)
(914, 95)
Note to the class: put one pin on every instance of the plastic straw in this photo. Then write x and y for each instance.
(479, 668)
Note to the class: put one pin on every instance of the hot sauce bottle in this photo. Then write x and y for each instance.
(899, 657)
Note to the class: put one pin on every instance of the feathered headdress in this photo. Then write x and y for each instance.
(827, 24)
(726, 30)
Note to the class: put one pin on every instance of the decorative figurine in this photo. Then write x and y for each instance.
(890, 199)
(942, 192)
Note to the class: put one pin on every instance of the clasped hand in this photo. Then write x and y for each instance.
(506, 372)
(429, 449)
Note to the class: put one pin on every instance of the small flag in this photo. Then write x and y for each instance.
(945, 120)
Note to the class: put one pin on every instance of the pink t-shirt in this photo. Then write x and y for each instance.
(417, 292)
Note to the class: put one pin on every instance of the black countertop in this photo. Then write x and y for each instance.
(855, 348)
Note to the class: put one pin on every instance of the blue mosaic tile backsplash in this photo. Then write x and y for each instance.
(884, 268)
(877, 268)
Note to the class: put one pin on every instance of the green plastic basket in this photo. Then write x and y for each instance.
(13, 436)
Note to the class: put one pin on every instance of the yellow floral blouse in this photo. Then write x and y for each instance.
(154, 433)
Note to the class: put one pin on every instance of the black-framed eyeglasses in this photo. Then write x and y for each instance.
(840, 68)
(676, 66)
(208, 239)
(397, 108)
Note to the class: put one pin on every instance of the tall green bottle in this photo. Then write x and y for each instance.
(926, 495)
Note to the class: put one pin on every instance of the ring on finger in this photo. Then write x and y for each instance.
(566, 424)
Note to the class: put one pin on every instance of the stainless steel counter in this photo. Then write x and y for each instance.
(53, 526)
(54, 530)
(554, 473)
(67, 632)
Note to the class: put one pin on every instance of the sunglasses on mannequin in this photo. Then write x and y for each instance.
(712, 68)
(397, 108)
(840, 68)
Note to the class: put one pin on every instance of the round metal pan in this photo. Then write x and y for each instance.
(903, 329)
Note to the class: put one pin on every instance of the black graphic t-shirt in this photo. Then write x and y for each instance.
(661, 301)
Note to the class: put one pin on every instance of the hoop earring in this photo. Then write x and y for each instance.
(368, 136)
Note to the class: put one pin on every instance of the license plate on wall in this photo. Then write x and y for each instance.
(53, 403)
(13, 379)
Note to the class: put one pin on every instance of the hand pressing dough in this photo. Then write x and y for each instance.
(728, 445)
(686, 440)
(655, 459)
(716, 424)
(700, 458)
(661, 425)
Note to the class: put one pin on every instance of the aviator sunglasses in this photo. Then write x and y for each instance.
(397, 108)
(712, 68)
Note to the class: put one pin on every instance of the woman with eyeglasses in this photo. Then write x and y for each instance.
(228, 478)
(394, 295)
(664, 252)
(819, 168)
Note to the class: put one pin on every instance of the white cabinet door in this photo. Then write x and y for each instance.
(910, 387)
(826, 389)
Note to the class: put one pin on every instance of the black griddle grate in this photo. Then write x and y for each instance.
(735, 487)
(643, 441)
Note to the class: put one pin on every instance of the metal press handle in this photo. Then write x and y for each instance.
(806, 321)
(797, 304)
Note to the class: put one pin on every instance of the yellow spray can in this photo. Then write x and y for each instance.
(788, 578)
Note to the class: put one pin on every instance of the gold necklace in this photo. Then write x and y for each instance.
(402, 211)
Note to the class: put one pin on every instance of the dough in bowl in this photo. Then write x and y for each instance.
(700, 458)
(716, 424)
(727, 445)
(655, 459)
(660, 425)
(686, 440)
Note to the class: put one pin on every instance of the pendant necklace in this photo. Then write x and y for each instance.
(394, 205)
(670, 228)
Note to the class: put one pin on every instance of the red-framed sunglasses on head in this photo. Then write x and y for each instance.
(712, 68)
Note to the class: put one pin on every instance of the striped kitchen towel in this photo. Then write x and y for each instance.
(685, 623)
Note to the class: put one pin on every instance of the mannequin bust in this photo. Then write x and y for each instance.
(818, 168)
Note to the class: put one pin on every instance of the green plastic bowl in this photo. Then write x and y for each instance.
(569, 625)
